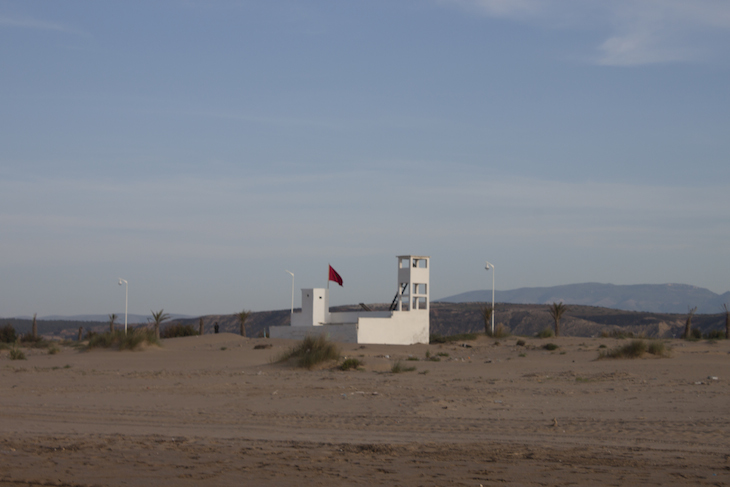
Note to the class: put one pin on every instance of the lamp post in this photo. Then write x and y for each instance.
(292, 294)
(126, 302)
(487, 267)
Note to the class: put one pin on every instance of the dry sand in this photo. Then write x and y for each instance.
(212, 410)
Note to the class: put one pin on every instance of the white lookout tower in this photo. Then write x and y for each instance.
(405, 323)
(413, 285)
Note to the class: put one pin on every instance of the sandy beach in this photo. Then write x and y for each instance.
(213, 410)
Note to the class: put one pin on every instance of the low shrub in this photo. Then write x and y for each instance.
(350, 363)
(7, 334)
(635, 349)
(398, 367)
(520, 343)
(53, 349)
(17, 354)
(412, 359)
(499, 332)
(174, 331)
(658, 348)
(696, 333)
(715, 335)
(30, 341)
(312, 351)
(436, 338)
(550, 346)
(546, 333)
(119, 340)
(616, 333)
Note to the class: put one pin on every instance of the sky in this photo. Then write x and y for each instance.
(199, 149)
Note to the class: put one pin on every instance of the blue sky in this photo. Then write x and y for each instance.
(200, 148)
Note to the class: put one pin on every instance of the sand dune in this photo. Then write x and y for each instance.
(212, 410)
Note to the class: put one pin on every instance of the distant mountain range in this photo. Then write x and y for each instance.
(131, 318)
(656, 298)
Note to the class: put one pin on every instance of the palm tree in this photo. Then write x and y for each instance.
(158, 318)
(727, 321)
(242, 317)
(557, 310)
(688, 323)
(112, 320)
(487, 311)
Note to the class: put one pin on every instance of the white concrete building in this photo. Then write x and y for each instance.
(406, 322)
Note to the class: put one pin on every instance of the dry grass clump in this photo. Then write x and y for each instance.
(398, 367)
(546, 333)
(550, 346)
(174, 331)
(436, 338)
(351, 363)
(715, 335)
(117, 339)
(17, 354)
(28, 340)
(312, 351)
(617, 333)
(658, 348)
(694, 335)
(7, 334)
(499, 332)
(636, 349)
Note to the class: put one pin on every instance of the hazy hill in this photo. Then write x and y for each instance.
(446, 319)
(521, 319)
(658, 298)
(131, 318)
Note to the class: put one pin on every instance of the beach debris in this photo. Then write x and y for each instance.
(713, 377)
(555, 422)
(466, 345)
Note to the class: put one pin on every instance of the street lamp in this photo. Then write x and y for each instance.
(292, 293)
(126, 302)
(487, 267)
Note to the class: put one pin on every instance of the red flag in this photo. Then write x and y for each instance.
(334, 276)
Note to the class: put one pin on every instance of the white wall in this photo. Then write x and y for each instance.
(315, 308)
(404, 328)
(353, 316)
(336, 333)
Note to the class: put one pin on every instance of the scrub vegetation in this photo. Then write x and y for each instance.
(120, 341)
(311, 351)
(636, 349)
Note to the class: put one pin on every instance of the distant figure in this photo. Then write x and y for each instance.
(215, 327)
(81, 332)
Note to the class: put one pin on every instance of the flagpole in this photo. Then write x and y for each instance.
(328, 276)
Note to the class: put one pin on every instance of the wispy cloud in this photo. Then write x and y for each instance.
(34, 24)
(639, 31)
